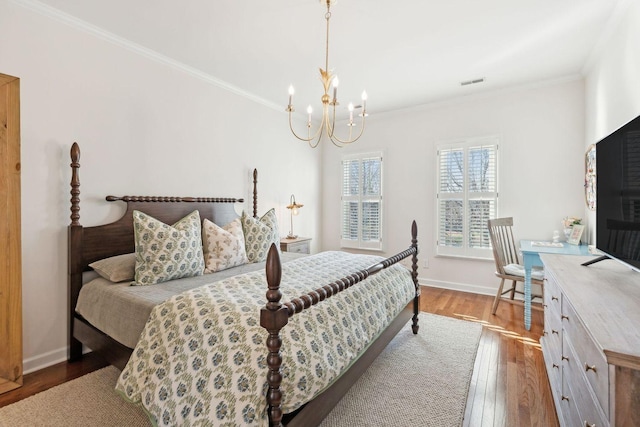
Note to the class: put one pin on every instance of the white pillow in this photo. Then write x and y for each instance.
(223, 246)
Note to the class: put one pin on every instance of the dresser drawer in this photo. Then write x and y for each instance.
(553, 323)
(589, 359)
(552, 295)
(552, 363)
(552, 343)
(589, 408)
(568, 408)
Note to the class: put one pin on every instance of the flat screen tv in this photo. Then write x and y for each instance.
(618, 195)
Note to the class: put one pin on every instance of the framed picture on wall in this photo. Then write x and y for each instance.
(590, 177)
(576, 234)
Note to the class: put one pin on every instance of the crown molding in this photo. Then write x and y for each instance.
(484, 94)
(100, 33)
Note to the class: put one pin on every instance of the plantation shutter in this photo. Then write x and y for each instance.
(451, 197)
(350, 193)
(362, 201)
(467, 197)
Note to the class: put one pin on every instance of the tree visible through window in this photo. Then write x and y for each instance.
(362, 201)
(467, 196)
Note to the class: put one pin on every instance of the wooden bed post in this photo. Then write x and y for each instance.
(414, 277)
(274, 317)
(74, 251)
(255, 193)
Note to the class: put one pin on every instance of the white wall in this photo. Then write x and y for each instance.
(612, 89)
(133, 115)
(144, 128)
(541, 130)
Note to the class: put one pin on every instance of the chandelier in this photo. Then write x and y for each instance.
(327, 124)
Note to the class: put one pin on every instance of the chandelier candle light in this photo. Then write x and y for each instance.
(294, 211)
(328, 123)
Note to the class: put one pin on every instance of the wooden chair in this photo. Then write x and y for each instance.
(508, 267)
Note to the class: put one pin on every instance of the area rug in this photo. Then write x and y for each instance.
(417, 380)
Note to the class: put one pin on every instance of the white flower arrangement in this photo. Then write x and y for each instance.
(570, 221)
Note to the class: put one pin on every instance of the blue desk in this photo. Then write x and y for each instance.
(531, 254)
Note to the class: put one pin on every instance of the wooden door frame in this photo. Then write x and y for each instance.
(10, 236)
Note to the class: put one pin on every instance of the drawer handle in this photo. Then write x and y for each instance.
(565, 358)
(554, 298)
(544, 306)
(565, 398)
(588, 368)
(555, 366)
(563, 317)
(553, 331)
(588, 424)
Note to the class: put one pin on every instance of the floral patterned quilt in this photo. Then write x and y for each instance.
(201, 358)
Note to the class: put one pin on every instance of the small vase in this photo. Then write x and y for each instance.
(567, 233)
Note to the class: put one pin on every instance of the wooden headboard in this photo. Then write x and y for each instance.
(89, 244)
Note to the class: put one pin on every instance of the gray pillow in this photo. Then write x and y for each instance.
(117, 268)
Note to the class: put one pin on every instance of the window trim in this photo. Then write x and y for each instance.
(465, 251)
(360, 198)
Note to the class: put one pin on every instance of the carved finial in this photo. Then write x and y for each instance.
(274, 274)
(75, 184)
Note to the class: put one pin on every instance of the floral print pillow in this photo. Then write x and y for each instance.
(223, 246)
(166, 252)
(259, 234)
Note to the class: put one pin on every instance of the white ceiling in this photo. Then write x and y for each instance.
(404, 53)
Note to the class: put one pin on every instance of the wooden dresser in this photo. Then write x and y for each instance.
(591, 342)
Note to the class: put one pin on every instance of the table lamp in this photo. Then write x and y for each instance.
(294, 211)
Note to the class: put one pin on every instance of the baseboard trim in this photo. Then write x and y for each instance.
(463, 287)
(44, 360)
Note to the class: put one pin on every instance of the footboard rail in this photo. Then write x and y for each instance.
(275, 315)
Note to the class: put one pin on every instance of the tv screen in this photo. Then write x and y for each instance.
(618, 194)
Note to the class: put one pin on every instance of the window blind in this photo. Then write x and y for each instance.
(362, 201)
(467, 196)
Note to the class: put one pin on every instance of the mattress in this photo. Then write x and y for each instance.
(121, 311)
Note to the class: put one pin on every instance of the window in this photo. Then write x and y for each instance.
(362, 201)
(467, 196)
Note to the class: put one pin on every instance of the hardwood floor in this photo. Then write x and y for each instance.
(52, 376)
(509, 386)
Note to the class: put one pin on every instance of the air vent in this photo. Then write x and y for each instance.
(471, 82)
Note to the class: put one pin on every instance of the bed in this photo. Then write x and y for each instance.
(361, 275)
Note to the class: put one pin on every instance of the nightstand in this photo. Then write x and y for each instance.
(299, 245)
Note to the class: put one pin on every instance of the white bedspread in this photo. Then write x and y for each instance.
(201, 359)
